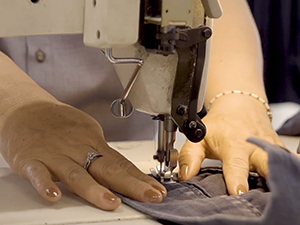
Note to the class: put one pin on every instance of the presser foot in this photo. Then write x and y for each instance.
(164, 176)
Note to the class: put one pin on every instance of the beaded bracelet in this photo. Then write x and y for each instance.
(269, 111)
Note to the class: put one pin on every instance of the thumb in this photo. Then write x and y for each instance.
(236, 172)
(190, 159)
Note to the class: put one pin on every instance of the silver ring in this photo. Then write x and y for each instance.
(90, 158)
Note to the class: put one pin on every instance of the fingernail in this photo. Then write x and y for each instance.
(152, 196)
(110, 198)
(162, 191)
(184, 172)
(241, 189)
(51, 192)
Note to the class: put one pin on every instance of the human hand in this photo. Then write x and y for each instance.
(229, 123)
(49, 142)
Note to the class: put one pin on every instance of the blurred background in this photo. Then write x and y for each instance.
(278, 22)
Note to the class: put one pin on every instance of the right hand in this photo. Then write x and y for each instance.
(231, 120)
(48, 142)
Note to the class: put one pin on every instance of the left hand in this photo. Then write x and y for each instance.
(229, 123)
(48, 141)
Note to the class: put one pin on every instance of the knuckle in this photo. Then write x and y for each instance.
(35, 173)
(133, 186)
(264, 167)
(19, 164)
(34, 169)
(237, 166)
(27, 168)
(191, 154)
(237, 162)
(269, 138)
(124, 163)
(38, 183)
(74, 174)
(147, 179)
(109, 170)
(184, 159)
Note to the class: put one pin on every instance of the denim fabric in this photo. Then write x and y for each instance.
(291, 127)
(204, 200)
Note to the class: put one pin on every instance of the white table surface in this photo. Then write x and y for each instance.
(20, 204)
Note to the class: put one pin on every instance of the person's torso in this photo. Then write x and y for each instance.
(278, 24)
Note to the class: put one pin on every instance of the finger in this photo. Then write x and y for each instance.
(259, 158)
(80, 182)
(125, 164)
(41, 179)
(259, 162)
(117, 158)
(107, 172)
(134, 171)
(236, 171)
(190, 160)
(113, 176)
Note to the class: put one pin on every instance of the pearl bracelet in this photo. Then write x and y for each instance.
(269, 111)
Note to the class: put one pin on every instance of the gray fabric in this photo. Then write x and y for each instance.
(203, 200)
(291, 127)
(80, 76)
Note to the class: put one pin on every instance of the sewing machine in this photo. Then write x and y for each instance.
(161, 55)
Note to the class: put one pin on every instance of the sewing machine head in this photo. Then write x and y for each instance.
(169, 79)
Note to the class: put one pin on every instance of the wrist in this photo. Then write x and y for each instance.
(20, 103)
(239, 101)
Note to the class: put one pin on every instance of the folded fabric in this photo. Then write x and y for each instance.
(204, 200)
(291, 127)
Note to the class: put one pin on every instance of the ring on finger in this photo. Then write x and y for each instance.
(90, 158)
